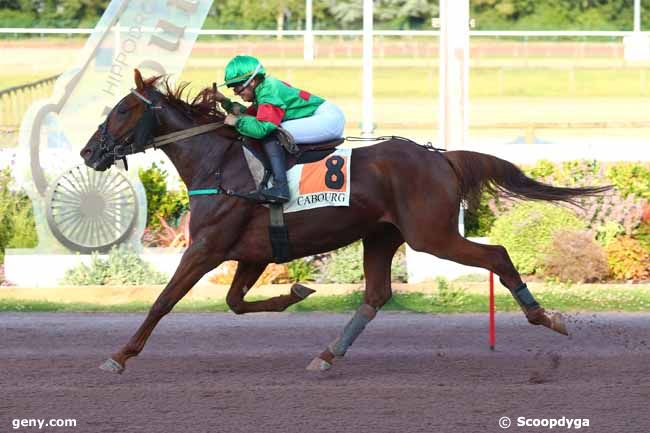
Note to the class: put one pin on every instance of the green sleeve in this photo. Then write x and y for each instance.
(229, 106)
(251, 127)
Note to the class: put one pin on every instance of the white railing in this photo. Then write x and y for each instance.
(239, 32)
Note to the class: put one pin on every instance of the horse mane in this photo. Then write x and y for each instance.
(202, 107)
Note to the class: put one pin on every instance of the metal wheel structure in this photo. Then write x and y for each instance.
(91, 211)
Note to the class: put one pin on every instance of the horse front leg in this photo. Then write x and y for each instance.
(195, 263)
(245, 277)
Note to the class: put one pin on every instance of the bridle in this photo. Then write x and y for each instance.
(119, 146)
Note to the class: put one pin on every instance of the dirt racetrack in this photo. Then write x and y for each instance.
(406, 373)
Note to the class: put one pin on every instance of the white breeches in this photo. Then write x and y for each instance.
(326, 123)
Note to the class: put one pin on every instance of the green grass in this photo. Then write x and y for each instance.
(421, 82)
(406, 90)
(9, 78)
(30, 306)
(447, 300)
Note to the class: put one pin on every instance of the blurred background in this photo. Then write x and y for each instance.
(558, 80)
(539, 73)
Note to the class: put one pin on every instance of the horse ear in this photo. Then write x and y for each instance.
(139, 82)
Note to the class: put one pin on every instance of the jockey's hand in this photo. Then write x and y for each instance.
(220, 97)
(231, 120)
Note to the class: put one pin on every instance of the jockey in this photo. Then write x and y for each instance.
(307, 117)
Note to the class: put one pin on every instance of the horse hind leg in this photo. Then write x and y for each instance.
(495, 258)
(378, 253)
(245, 277)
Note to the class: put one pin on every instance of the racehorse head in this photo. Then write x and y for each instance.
(128, 128)
(191, 133)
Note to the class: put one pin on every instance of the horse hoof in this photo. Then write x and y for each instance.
(301, 291)
(112, 366)
(318, 364)
(558, 324)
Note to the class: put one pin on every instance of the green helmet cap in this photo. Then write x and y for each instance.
(241, 68)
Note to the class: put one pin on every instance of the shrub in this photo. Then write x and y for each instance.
(122, 267)
(479, 218)
(579, 173)
(18, 229)
(612, 207)
(597, 211)
(642, 235)
(625, 205)
(345, 265)
(527, 230)
(607, 232)
(301, 270)
(16, 18)
(169, 205)
(448, 294)
(646, 213)
(273, 274)
(627, 259)
(541, 170)
(618, 205)
(630, 179)
(575, 257)
(398, 271)
(168, 236)
(226, 273)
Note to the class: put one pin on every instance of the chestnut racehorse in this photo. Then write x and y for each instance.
(400, 192)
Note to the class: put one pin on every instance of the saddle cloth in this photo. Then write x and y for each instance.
(325, 182)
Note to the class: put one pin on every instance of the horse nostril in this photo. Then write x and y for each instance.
(85, 153)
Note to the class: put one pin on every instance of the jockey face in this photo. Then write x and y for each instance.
(246, 93)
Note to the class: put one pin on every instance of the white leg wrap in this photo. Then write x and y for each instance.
(364, 314)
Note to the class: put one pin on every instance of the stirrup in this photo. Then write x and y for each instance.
(274, 199)
(276, 193)
(255, 196)
(260, 197)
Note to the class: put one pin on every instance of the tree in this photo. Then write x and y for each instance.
(395, 13)
(253, 14)
(406, 13)
(553, 14)
(347, 13)
(10, 4)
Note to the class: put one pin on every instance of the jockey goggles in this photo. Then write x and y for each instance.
(238, 88)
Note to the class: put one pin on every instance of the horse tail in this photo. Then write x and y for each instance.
(478, 172)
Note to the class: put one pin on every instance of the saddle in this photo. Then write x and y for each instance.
(260, 166)
(303, 154)
(260, 169)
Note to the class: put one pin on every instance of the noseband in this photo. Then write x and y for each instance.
(117, 146)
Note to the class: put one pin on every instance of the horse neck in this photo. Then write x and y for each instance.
(196, 158)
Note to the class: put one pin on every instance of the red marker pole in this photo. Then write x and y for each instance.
(492, 330)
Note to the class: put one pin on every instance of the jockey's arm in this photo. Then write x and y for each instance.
(252, 127)
(233, 107)
(263, 119)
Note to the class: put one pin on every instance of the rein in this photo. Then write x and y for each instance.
(172, 137)
(161, 140)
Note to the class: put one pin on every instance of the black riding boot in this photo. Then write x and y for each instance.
(279, 192)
